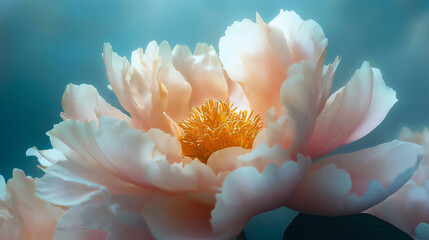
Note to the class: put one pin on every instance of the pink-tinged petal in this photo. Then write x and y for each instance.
(352, 112)
(181, 217)
(83, 103)
(203, 70)
(405, 209)
(305, 39)
(46, 157)
(280, 129)
(112, 145)
(263, 155)
(179, 90)
(236, 95)
(104, 217)
(225, 160)
(351, 183)
(300, 94)
(256, 56)
(177, 177)
(37, 217)
(138, 88)
(247, 192)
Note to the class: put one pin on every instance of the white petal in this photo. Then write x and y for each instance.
(104, 217)
(83, 103)
(181, 217)
(203, 71)
(351, 183)
(256, 56)
(138, 88)
(247, 192)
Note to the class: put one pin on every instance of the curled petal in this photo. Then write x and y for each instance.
(249, 191)
(83, 103)
(46, 157)
(352, 112)
(225, 160)
(203, 71)
(351, 183)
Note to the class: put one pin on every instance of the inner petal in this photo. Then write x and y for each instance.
(216, 125)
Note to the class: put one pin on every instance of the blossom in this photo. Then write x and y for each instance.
(408, 208)
(22, 214)
(208, 143)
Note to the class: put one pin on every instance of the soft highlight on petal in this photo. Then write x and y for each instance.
(350, 183)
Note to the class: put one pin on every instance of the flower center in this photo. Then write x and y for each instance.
(216, 125)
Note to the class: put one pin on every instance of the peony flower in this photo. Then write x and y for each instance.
(22, 214)
(408, 208)
(204, 150)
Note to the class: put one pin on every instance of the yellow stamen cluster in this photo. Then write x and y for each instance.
(216, 125)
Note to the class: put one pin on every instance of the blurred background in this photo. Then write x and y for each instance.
(44, 45)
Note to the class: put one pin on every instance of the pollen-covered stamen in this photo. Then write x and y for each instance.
(216, 125)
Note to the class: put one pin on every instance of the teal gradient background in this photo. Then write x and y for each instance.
(44, 45)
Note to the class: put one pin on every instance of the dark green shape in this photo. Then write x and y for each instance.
(360, 227)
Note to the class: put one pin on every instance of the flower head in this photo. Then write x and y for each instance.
(207, 175)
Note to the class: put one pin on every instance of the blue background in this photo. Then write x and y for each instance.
(45, 45)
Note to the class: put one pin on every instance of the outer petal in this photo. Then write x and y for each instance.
(182, 218)
(114, 146)
(256, 55)
(351, 183)
(68, 183)
(352, 112)
(249, 191)
(405, 209)
(104, 217)
(37, 217)
(83, 103)
(138, 88)
(46, 157)
(409, 207)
